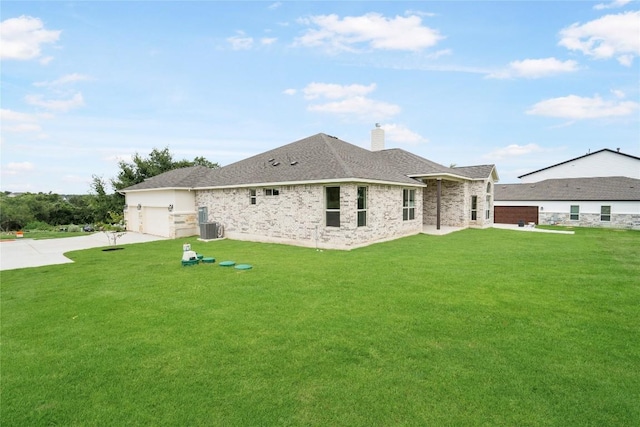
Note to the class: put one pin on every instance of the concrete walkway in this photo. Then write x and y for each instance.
(530, 229)
(24, 252)
(432, 230)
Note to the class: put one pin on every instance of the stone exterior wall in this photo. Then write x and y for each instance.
(183, 224)
(297, 215)
(627, 221)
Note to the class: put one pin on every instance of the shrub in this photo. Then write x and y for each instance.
(38, 226)
(72, 228)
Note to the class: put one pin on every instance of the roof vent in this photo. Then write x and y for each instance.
(275, 163)
(270, 160)
(295, 162)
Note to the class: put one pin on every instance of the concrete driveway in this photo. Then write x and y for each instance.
(24, 252)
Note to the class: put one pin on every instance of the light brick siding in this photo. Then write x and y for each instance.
(455, 203)
(297, 215)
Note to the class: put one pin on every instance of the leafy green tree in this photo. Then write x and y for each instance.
(102, 203)
(158, 161)
(15, 213)
(81, 209)
(201, 161)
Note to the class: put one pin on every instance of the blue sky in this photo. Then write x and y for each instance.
(520, 84)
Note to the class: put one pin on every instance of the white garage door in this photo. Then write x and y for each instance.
(156, 221)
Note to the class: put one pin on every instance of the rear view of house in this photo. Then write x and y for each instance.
(320, 192)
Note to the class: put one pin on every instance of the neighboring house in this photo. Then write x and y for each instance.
(588, 202)
(320, 192)
(600, 163)
(601, 189)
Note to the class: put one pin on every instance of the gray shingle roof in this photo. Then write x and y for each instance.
(476, 172)
(177, 178)
(579, 189)
(316, 158)
(319, 157)
(409, 163)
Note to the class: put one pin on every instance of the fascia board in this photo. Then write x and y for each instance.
(314, 182)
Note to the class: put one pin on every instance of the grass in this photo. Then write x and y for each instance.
(41, 234)
(479, 327)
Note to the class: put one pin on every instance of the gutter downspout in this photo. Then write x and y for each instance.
(439, 191)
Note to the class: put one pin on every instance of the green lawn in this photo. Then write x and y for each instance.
(479, 327)
(40, 235)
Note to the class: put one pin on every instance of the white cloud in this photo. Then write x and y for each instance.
(266, 41)
(45, 60)
(23, 128)
(348, 100)
(57, 105)
(403, 135)
(513, 150)
(21, 38)
(241, 41)
(336, 91)
(420, 13)
(290, 91)
(69, 78)
(17, 122)
(275, 5)
(372, 30)
(15, 116)
(614, 4)
(576, 107)
(359, 106)
(606, 37)
(15, 168)
(618, 93)
(535, 68)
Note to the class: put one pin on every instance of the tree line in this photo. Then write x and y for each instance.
(99, 206)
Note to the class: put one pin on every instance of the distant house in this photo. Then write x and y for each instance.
(320, 192)
(600, 189)
(600, 163)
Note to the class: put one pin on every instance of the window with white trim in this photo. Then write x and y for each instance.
(575, 213)
(271, 192)
(408, 204)
(474, 208)
(487, 211)
(252, 196)
(605, 213)
(332, 197)
(362, 206)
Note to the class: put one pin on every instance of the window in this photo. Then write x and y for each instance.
(408, 204)
(605, 213)
(488, 208)
(474, 208)
(362, 206)
(333, 206)
(575, 213)
(271, 192)
(252, 196)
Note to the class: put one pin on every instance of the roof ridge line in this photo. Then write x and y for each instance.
(344, 166)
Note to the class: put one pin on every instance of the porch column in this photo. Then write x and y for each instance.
(439, 191)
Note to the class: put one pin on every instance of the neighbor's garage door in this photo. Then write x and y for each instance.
(515, 214)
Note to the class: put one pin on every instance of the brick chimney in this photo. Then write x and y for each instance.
(377, 138)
